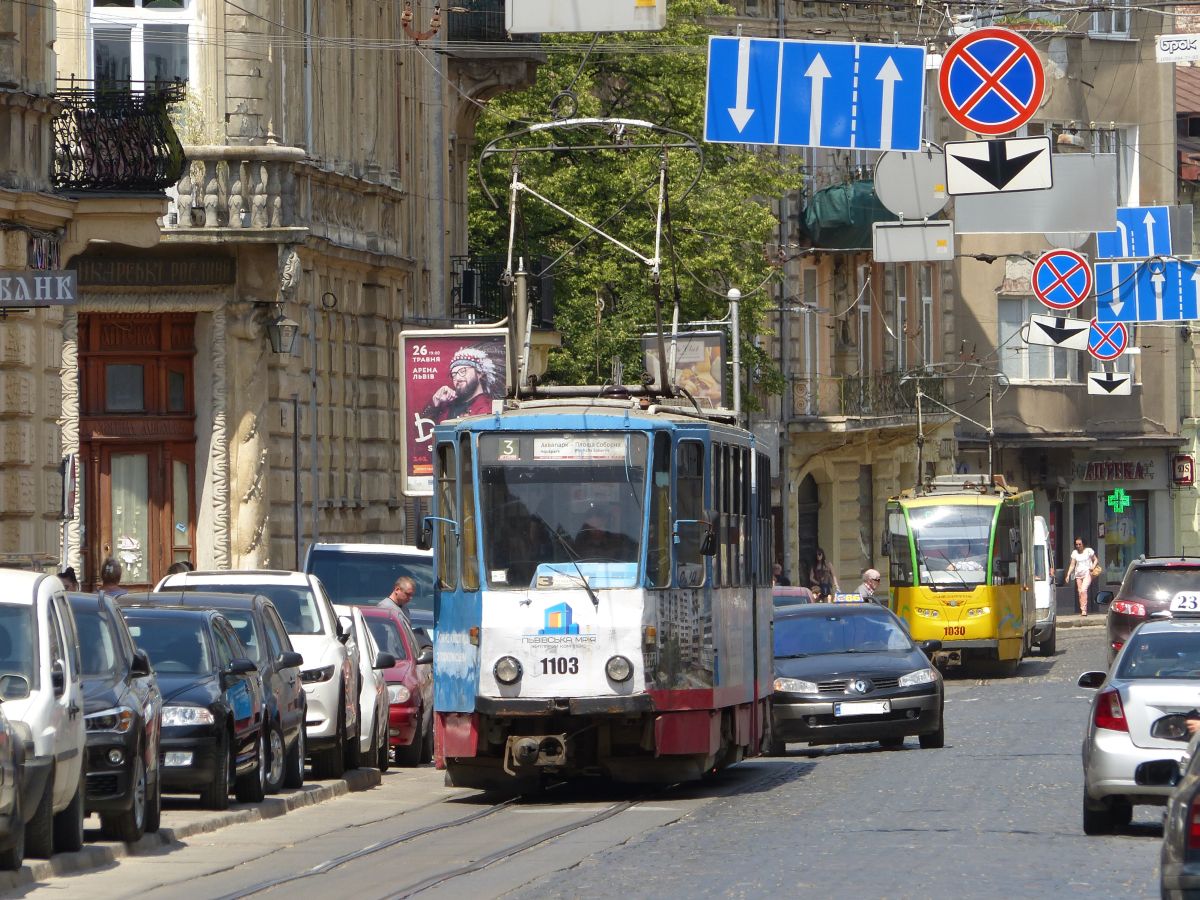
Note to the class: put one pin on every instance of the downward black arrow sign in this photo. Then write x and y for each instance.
(1059, 332)
(998, 170)
(1109, 383)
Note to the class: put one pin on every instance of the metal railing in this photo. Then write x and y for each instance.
(114, 139)
(481, 22)
(478, 295)
(878, 395)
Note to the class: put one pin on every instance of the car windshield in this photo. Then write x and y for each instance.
(1161, 582)
(387, 635)
(296, 604)
(836, 632)
(1161, 655)
(559, 498)
(97, 639)
(951, 543)
(363, 579)
(176, 645)
(17, 650)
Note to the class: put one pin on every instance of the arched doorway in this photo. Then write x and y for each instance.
(807, 507)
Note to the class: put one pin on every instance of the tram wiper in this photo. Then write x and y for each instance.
(574, 561)
(791, 655)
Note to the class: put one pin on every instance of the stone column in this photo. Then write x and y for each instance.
(247, 367)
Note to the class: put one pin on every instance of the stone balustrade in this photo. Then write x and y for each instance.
(236, 188)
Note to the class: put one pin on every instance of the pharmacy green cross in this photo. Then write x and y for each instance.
(1119, 501)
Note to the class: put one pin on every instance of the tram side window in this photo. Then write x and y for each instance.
(466, 516)
(689, 474)
(658, 553)
(715, 516)
(446, 549)
(1006, 549)
(900, 569)
(746, 522)
(765, 533)
(739, 522)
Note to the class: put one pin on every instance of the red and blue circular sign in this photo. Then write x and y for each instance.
(991, 81)
(1062, 279)
(1107, 342)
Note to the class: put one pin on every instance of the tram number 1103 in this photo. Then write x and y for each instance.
(560, 665)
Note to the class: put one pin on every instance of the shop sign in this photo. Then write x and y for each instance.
(1118, 501)
(144, 271)
(1185, 470)
(27, 290)
(1116, 470)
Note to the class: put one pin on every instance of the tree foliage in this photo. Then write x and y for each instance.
(722, 234)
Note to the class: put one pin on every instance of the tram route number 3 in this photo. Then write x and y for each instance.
(560, 665)
(954, 631)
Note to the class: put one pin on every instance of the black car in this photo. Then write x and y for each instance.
(258, 624)
(213, 710)
(122, 711)
(849, 672)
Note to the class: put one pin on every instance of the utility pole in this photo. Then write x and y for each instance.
(734, 296)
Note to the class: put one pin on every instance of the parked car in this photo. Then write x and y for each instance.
(12, 773)
(372, 691)
(329, 676)
(213, 711)
(265, 637)
(1045, 631)
(1148, 587)
(42, 690)
(1179, 855)
(1156, 675)
(850, 672)
(122, 712)
(409, 686)
(786, 595)
(363, 574)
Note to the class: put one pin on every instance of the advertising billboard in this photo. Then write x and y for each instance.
(699, 364)
(445, 375)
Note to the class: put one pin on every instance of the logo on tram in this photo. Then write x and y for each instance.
(559, 620)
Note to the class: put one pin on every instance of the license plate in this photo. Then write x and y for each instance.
(1185, 601)
(862, 708)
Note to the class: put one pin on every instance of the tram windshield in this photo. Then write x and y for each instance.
(952, 544)
(573, 499)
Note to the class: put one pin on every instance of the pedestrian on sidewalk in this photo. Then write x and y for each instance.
(1084, 564)
(823, 579)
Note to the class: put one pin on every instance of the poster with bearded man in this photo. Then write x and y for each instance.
(447, 375)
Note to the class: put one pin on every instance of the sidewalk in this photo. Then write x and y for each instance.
(180, 823)
(1092, 620)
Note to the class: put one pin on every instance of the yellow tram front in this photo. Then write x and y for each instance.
(961, 569)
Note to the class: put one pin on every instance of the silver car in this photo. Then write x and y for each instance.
(1156, 676)
(1180, 858)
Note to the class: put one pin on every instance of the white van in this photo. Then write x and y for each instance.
(1043, 589)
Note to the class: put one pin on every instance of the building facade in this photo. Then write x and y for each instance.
(324, 194)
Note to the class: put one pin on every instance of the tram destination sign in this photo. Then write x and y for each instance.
(29, 290)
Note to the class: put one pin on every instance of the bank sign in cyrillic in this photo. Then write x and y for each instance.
(27, 290)
(814, 94)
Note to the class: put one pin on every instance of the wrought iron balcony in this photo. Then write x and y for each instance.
(481, 22)
(116, 140)
(477, 294)
(864, 397)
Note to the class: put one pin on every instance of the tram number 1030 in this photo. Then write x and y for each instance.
(954, 630)
(560, 665)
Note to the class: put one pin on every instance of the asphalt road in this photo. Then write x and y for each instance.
(995, 813)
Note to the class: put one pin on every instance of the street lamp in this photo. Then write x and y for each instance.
(281, 332)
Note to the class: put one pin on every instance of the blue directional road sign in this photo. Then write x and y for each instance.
(1141, 232)
(814, 94)
(1156, 290)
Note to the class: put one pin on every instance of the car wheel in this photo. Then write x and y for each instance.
(154, 804)
(68, 824)
(12, 854)
(130, 825)
(1122, 813)
(1047, 647)
(411, 755)
(39, 830)
(935, 740)
(383, 759)
(252, 787)
(293, 775)
(1097, 820)
(331, 763)
(276, 758)
(427, 750)
(353, 745)
(216, 795)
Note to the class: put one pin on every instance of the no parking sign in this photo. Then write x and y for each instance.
(991, 81)
(1062, 279)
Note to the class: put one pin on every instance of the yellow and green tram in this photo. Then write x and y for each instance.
(961, 560)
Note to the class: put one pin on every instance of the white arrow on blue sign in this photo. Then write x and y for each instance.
(814, 94)
(1141, 232)
(1157, 290)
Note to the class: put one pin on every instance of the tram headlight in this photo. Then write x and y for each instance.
(507, 670)
(618, 668)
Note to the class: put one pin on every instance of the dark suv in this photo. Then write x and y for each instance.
(1148, 588)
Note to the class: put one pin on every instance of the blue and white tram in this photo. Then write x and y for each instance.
(603, 602)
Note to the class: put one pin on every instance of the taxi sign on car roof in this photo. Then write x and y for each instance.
(847, 598)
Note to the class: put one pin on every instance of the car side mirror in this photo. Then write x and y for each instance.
(344, 627)
(58, 678)
(425, 538)
(140, 667)
(1091, 680)
(930, 647)
(885, 544)
(1104, 597)
(384, 660)
(425, 656)
(290, 659)
(240, 666)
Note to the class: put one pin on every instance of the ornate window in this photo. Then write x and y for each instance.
(139, 43)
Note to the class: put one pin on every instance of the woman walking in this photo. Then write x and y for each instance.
(823, 580)
(1083, 561)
